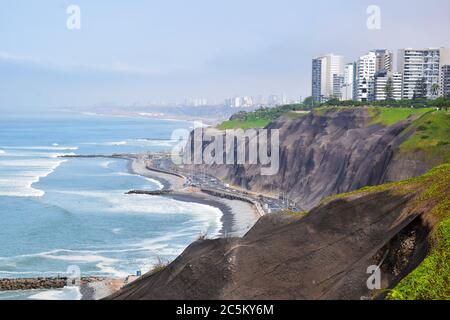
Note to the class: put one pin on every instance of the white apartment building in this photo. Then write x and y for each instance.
(348, 87)
(380, 85)
(385, 60)
(237, 102)
(326, 71)
(418, 64)
(445, 81)
(366, 69)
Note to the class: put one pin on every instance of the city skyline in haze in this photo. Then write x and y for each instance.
(144, 51)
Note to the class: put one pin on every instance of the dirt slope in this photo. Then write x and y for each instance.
(324, 255)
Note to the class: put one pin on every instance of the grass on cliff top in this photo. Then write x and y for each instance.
(294, 115)
(382, 115)
(390, 116)
(250, 123)
(431, 135)
(431, 279)
(259, 118)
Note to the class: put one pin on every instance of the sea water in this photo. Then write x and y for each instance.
(61, 212)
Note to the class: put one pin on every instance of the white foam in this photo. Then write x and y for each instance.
(89, 114)
(136, 143)
(67, 293)
(152, 143)
(80, 258)
(36, 153)
(135, 203)
(105, 264)
(22, 174)
(50, 148)
(116, 230)
(204, 217)
(159, 184)
(108, 268)
(78, 255)
(106, 164)
(116, 143)
(2, 151)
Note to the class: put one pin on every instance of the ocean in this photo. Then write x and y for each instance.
(61, 212)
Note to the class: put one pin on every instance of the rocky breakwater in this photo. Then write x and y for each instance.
(32, 283)
(40, 283)
(151, 193)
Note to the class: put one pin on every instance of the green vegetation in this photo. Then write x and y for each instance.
(159, 266)
(390, 111)
(431, 280)
(431, 136)
(257, 119)
(294, 115)
(414, 103)
(244, 124)
(295, 214)
(390, 116)
(427, 137)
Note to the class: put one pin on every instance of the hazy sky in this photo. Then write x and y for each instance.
(140, 51)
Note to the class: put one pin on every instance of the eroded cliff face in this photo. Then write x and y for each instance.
(325, 255)
(327, 154)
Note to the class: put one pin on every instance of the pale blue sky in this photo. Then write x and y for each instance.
(139, 51)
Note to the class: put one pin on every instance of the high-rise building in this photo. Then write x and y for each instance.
(272, 100)
(284, 99)
(369, 66)
(237, 102)
(247, 101)
(197, 102)
(347, 88)
(445, 81)
(316, 92)
(381, 82)
(366, 69)
(327, 71)
(338, 82)
(422, 66)
(384, 60)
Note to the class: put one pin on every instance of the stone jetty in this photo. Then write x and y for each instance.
(40, 283)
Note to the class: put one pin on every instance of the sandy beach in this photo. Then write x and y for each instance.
(238, 216)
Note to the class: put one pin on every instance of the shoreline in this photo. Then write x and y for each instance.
(237, 216)
(210, 121)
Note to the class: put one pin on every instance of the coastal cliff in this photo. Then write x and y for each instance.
(337, 150)
(361, 177)
(325, 253)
